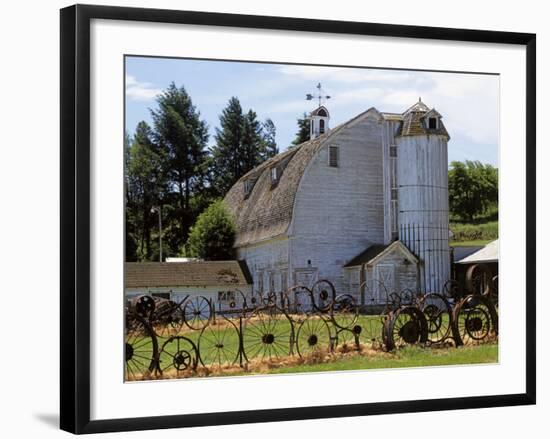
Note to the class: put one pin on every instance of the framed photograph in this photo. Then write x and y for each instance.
(275, 218)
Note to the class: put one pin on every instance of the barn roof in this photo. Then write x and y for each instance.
(414, 123)
(367, 255)
(489, 253)
(377, 251)
(174, 274)
(266, 212)
(460, 252)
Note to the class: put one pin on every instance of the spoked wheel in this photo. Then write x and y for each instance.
(406, 326)
(197, 312)
(313, 336)
(479, 280)
(141, 349)
(267, 334)
(252, 301)
(344, 312)
(143, 306)
(219, 343)
(178, 353)
(323, 295)
(348, 339)
(438, 315)
(473, 321)
(167, 318)
(372, 330)
(299, 303)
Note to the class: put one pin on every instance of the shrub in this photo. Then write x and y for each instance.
(213, 235)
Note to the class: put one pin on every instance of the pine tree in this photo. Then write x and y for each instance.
(252, 142)
(270, 146)
(183, 137)
(239, 146)
(145, 186)
(303, 130)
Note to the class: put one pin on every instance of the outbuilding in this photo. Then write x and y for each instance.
(221, 282)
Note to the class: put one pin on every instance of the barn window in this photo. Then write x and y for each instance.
(226, 296)
(161, 295)
(321, 126)
(322, 113)
(393, 151)
(432, 123)
(248, 186)
(333, 156)
(274, 175)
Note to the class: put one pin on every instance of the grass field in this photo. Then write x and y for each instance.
(410, 356)
(473, 234)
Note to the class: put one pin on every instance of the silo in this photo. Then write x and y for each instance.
(423, 195)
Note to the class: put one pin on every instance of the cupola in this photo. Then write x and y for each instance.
(319, 119)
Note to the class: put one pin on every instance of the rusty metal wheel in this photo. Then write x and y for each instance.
(219, 343)
(143, 306)
(252, 301)
(312, 336)
(323, 295)
(178, 353)
(405, 326)
(197, 312)
(473, 321)
(438, 315)
(140, 348)
(479, 280)
(451, 290)
(299, 303)
(344, 312)
(347, 339)
(167, 319)
(267, 333)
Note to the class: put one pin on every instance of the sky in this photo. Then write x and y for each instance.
(468, 102)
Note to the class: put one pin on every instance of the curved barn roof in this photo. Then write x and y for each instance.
(266, 211)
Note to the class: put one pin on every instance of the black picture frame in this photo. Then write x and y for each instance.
(75, 217)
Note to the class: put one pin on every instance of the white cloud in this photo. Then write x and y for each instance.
(140, 91)
(343, 74)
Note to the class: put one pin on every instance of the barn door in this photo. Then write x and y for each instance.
(384, 274)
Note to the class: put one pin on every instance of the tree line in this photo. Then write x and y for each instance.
(473, 191)
(170, 167)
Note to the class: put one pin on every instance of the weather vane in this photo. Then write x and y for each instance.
(319, 95)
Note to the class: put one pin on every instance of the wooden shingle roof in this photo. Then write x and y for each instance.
(414, 121)
(266, 211)
(174, 274)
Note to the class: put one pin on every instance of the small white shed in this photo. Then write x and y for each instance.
(218, 281)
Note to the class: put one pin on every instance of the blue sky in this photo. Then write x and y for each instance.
(468, 102)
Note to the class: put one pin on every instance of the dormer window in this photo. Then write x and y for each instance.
(274, 175)
(248, 186)
(432, 123)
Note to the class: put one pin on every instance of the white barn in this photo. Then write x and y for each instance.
(333, 207)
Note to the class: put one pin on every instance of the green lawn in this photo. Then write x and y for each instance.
(479, 233)
(410, 356)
